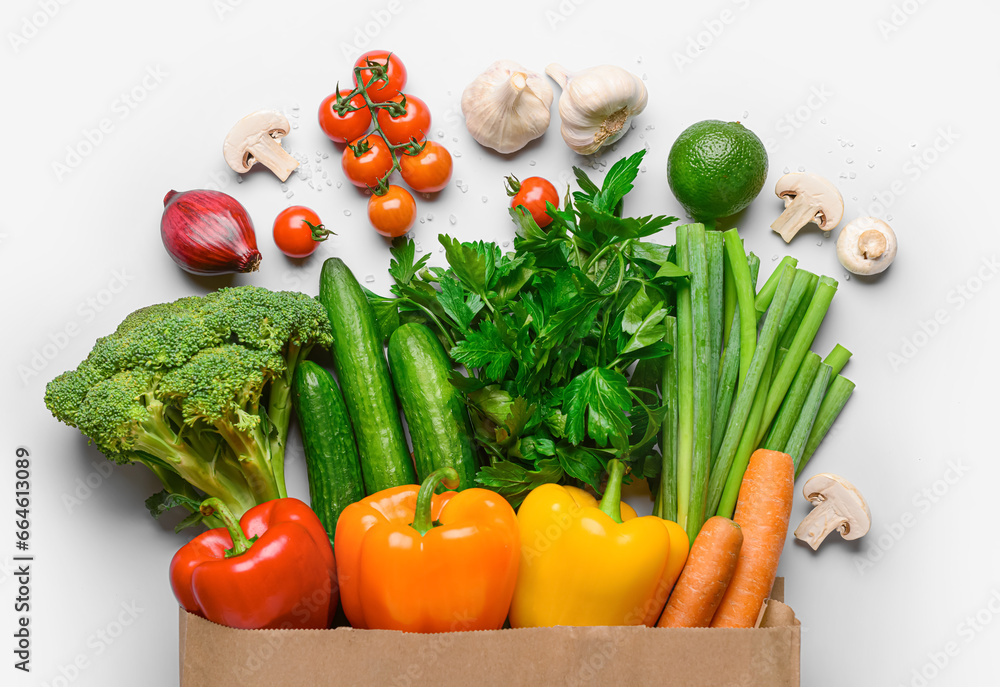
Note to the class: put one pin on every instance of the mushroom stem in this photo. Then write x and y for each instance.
(821, 521)
(800, 212)
(872, 244)
(268, 151)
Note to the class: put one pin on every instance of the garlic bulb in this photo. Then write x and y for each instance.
(597, 105)
(506, 106)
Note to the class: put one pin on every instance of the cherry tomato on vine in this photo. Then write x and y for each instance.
(346, 127)
(533, 193)
(393, 213)
(293, 234)
(414, 123)
(365, 170)
(380, 91)
(429, 170)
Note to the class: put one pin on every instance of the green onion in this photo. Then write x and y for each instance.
(727, 387)
(685, 381)
(840, 390)
(729, 298)
(791, 407)
(792, 326)
(800, 345)
(810, 409)
(715, 254)
(704, 377)
(802, 290)
(837, 359)
(737, 261)
(666, 504)
(738, 421)
(766, 292)
(731, 489)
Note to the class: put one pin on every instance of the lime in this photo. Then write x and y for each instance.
(716, 169)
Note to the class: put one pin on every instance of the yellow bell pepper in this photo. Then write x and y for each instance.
(582, 565)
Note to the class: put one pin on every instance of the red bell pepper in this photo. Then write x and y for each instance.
(273, 569)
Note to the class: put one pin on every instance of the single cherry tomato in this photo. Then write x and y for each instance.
(429, 170)
(350, 125)
(395, 75)
(298, 231)
(533, 193)
(393, 213)
(365, 170)
(414, 123)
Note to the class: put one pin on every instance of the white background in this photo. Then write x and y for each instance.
(907, 114)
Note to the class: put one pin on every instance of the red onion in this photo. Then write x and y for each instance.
(208, 232)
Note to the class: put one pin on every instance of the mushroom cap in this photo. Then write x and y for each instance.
(249, 130)
(823, 193)
(826, 487)
(852, 254)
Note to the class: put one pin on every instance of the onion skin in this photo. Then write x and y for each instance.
(208, 232)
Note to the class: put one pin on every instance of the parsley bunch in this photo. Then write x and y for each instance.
(551, 335)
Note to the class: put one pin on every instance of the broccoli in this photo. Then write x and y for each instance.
(197, 390)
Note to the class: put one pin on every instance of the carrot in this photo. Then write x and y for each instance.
(706, 575)
(763, 509)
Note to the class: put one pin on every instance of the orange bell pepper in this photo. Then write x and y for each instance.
(410, 560)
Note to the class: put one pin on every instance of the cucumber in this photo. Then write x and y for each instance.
(359, 360)
(332, 463)
(435, 412)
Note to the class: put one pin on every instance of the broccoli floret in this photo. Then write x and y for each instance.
(198, 390)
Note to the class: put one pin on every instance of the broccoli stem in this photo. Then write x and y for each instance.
(158, 440)
(252, 450)
(279, 411)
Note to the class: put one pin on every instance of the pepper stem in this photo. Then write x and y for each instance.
(422, 515)
(215, 506)
(611, 502)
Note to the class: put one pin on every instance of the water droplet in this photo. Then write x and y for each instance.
(786, 170)
(505, 244)
(746, 113)
(440, 134)
(879, 149)
(853, 175)
(453, 219)
(430, 217)
(870, 164)
(823, 121)
(645, 76)
(441, 249)
(819, 243)
(465, 188)
(326, 155)
(295, 106)
(454, 139)
(802, 168)
(289, 194)
(239, 179)
(420, 249)
(642, 136)
(484, 199)
(843, 144)
(456, 154)
(422, 220)
(850, 144)
(284, 187)
(774, 257)
(854, 198)
(339, 184)
(847, 276)
(347, 213)
(913, 144)
(888, 218)
(531, 163)
(642, 169)
(850, 160)
(329, 182)
(826, 234)
(638, 60)
(295, 125)
(370, 278)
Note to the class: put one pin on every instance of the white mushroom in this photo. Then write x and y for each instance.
(808, 198)
(866, 246)
(256, 138)
(839, 506)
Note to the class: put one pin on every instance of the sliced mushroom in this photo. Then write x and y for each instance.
(839, 506)
(257, 138)
(866, 245)
(808, 198)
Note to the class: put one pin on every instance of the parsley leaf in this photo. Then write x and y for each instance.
(402, 267)
(596, 403)
(513, 481)
(484, 349)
